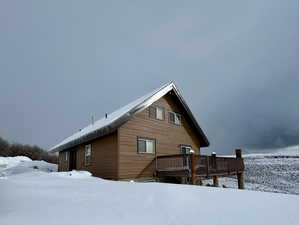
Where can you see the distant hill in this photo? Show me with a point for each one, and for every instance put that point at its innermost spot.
(270, 170)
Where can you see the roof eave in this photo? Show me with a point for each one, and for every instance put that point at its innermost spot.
(127, 116)
(204, 138)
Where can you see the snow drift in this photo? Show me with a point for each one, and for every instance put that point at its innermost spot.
(42, 197)
(21, 164)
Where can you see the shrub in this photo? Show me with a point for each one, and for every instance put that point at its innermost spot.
(33, 152)
(4, 147)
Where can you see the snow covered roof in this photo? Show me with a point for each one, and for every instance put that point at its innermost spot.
(114, 120)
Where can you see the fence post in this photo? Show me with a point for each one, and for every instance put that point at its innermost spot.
(240, 175)
(215, 178)
(193, 167)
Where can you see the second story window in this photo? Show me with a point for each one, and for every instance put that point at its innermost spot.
(175, 118)
(156, 112)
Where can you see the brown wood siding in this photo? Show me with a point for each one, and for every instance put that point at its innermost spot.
(103, 157)
(168, 137)
(63, 165)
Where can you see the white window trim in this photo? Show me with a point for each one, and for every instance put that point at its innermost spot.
(186, 147)
(156, 112)
(176, 115)
(162, 109)
(146, 140)
(67, 156)
(86, 162)
(188, 151)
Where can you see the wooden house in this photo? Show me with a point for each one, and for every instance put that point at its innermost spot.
(134, 141)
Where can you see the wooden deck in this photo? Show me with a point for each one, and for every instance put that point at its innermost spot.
(183, 165)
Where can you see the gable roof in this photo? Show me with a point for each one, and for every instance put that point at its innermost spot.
(114, 120)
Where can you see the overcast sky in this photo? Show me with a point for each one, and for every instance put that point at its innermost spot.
(236, 63)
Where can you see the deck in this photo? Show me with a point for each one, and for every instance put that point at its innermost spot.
(188, 165)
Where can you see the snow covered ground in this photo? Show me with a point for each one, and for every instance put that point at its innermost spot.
(21, 164)
(275, 171)
(41, 197)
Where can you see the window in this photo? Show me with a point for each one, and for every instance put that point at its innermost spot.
(175, 118)
(159, 113)
(185, 149)
(146, 145)
(87, 155)
(66, 156)
(156, 112)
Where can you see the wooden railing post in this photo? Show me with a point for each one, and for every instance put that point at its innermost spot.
(156, 164)
(193, 167)
(214, 164)
(207, 166)
(215, 181)
(238, 153)
(215, 178)
(240, 174)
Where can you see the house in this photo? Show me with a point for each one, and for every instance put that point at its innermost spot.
(155, 131)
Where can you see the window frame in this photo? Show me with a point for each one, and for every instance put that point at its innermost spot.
(175, 114)
(149, 139)
(185, 146)
(155, 107)
(163, 112)
(86, 162)
(67, 156)
(185, 158)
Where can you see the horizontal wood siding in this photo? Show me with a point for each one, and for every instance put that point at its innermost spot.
(63, 165)
(103, 157)
(168, 137)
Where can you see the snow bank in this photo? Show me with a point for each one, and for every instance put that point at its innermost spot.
(51, 199)
(33, 196)
(21, 164)
(73, 174)
(8, 162)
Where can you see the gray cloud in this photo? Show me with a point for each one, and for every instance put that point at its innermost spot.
(236, 64)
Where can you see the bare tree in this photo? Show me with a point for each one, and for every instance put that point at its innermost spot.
(4, 147)
(33, 152)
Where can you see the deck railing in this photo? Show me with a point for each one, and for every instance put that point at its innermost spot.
(204, 165)
(210, 165)
(173, 162)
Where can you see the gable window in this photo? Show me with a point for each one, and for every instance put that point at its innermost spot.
(174, 118)
(87, 155)
(156, 112)
(146, 145)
